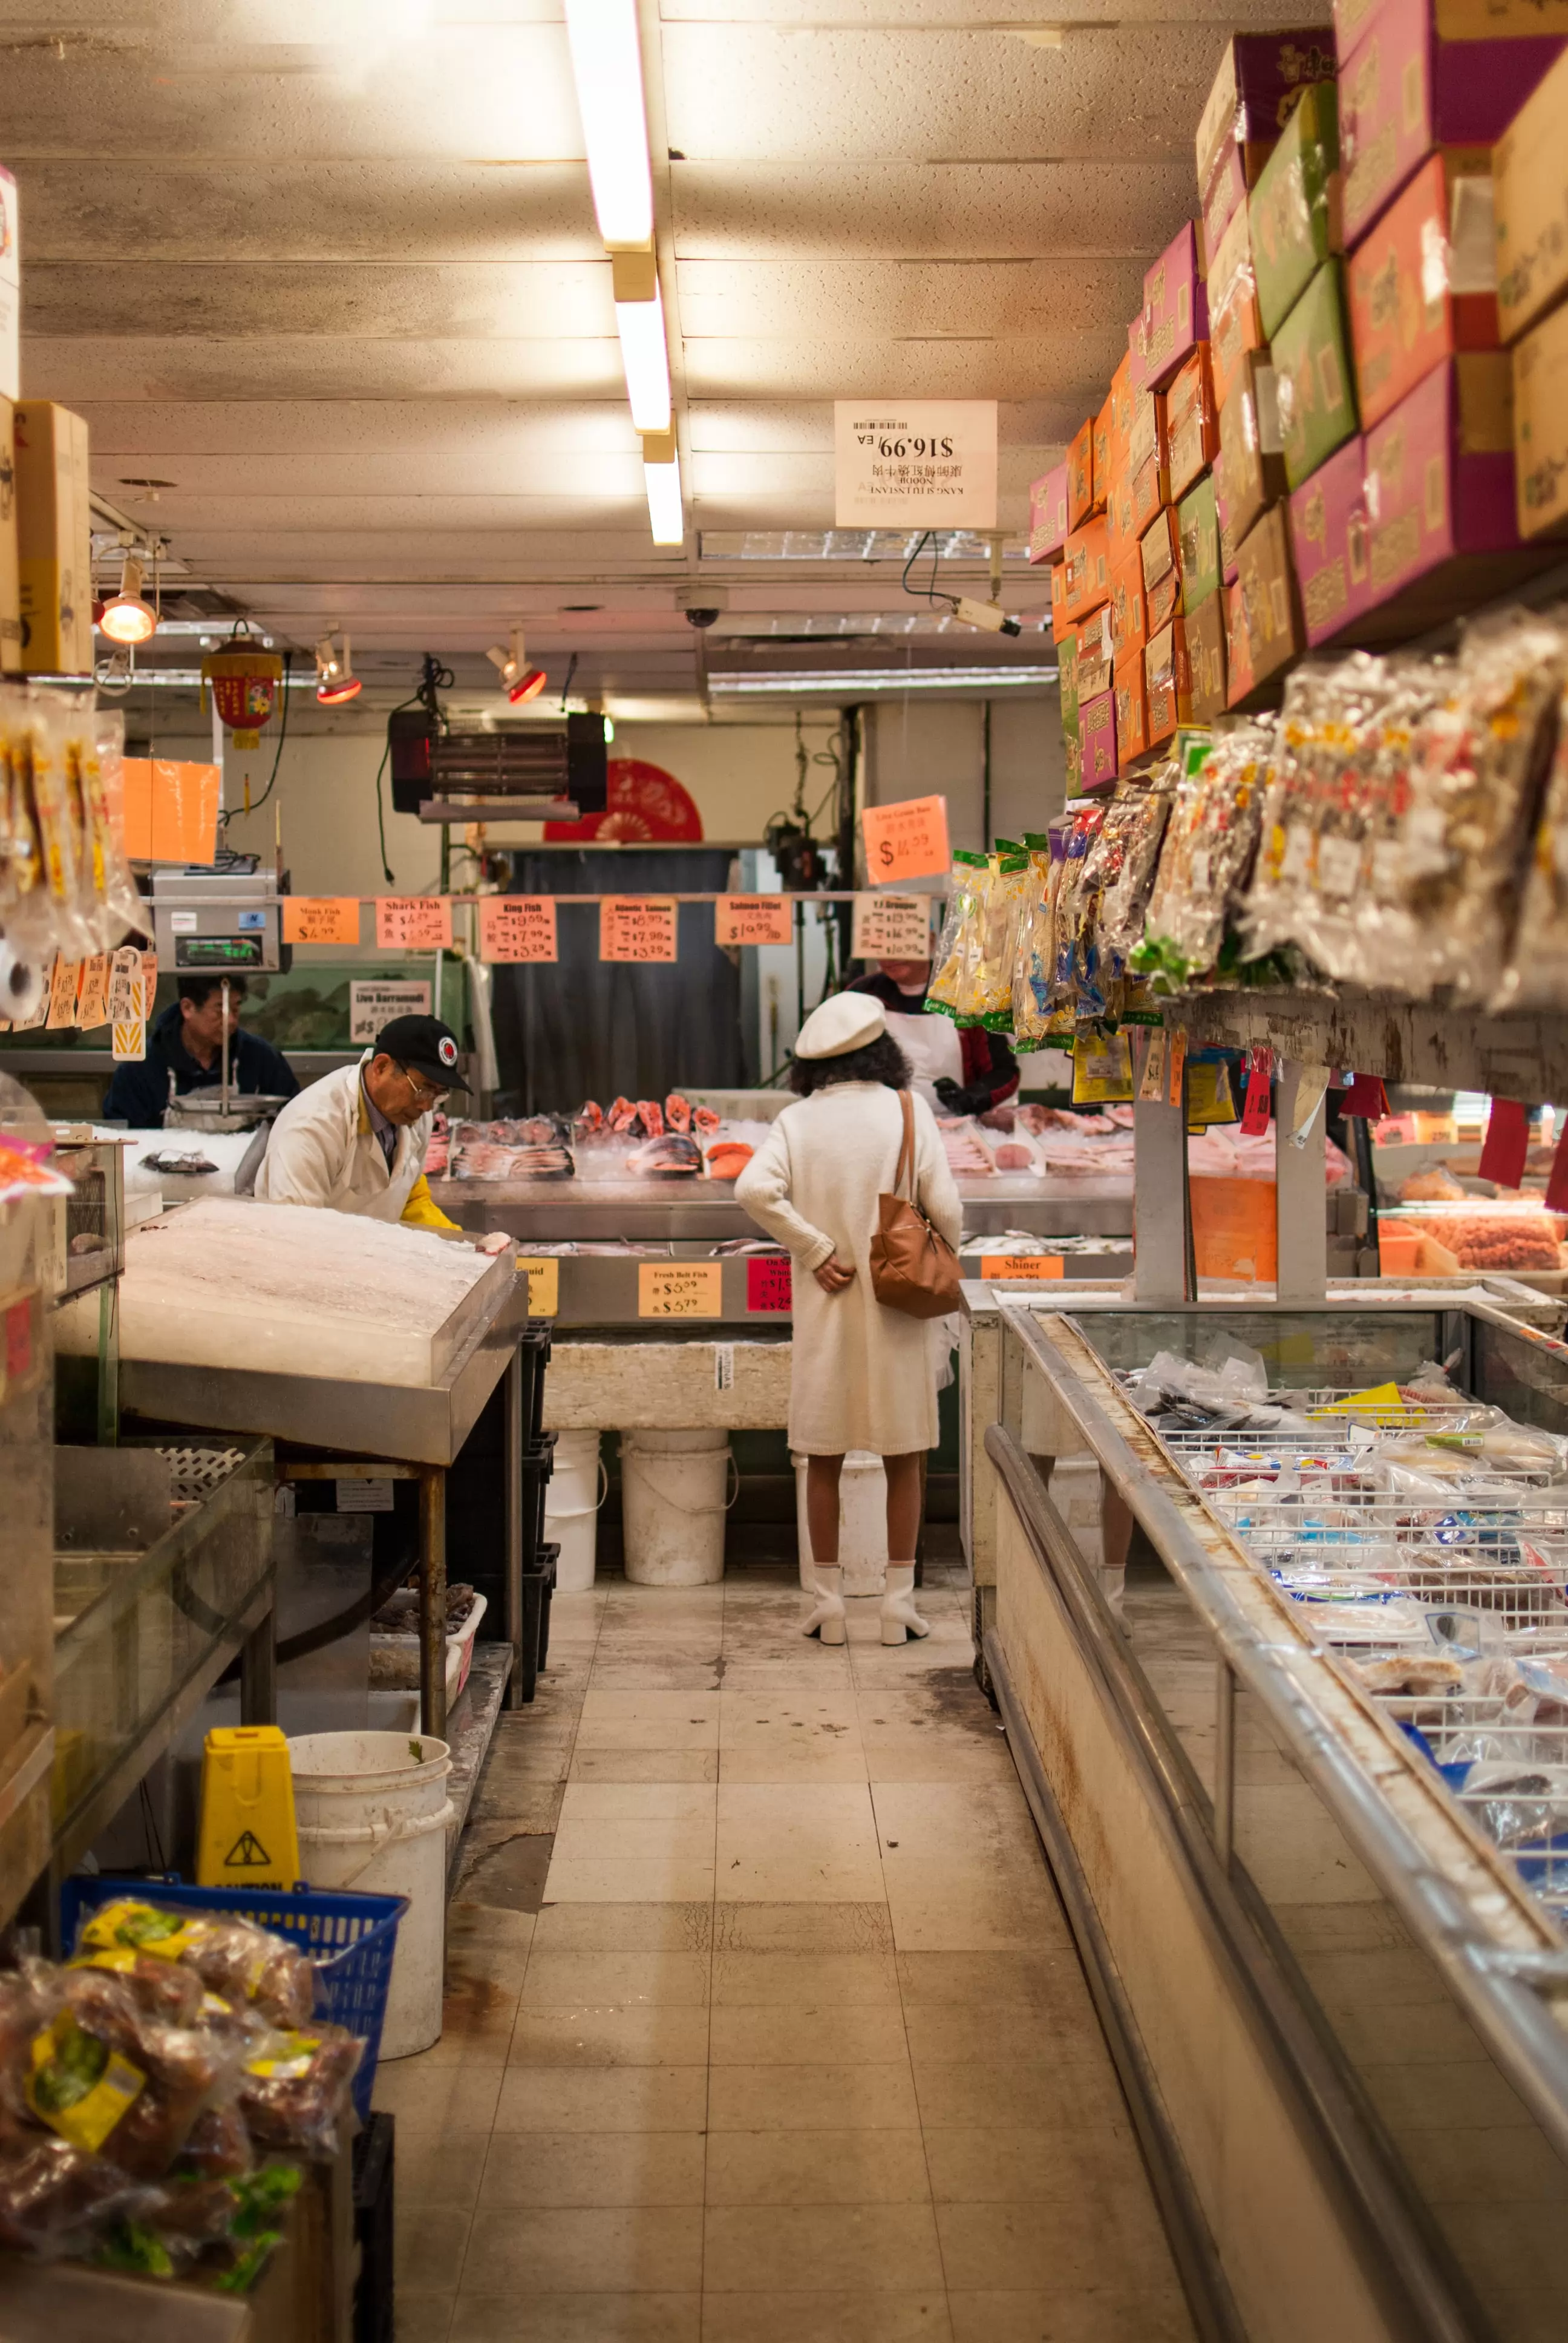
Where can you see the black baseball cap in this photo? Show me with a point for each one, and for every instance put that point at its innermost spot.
(425, 1047)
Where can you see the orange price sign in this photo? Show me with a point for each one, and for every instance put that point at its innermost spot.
(637, 927)
(321, 920)
(413, 923)
(692, 1289)
(753, 919)
(517, 928)
(908, 840)
(1030, 1268)
(891, 927)
(92, 996)
(64, 978)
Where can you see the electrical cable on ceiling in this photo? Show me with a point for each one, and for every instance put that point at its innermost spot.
(571, 670)
(282, 737)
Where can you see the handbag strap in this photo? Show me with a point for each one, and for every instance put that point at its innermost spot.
(907, 1152)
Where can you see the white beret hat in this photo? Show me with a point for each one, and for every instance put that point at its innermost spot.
(846, 1021)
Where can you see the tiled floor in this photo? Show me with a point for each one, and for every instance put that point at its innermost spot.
(763, 2020)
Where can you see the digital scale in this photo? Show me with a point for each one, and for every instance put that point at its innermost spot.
(226, 921)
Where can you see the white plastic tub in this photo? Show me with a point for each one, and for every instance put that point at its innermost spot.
(862, 1522)
(373, 1813)
(674, 1494)
(573, 1496)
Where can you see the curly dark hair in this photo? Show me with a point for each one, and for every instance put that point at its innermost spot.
(880, 1060)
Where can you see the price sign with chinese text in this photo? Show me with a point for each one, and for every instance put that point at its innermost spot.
(515, 927)
(768, 1284)
(908, 840)
(753, 919)
(919, 463)
(1033, 1267)
(321, 920)
(891, 927)
(413, 923)
(680, 1289)
(637, 927)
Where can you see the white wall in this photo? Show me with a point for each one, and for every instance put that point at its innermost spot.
(919, 748)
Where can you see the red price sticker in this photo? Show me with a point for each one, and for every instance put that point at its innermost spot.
(321, 920)
(637, 927)
(753, 919)
(515, 927)
(1255, 1112)
(768, 1284)
(906, 841)
(413, 923)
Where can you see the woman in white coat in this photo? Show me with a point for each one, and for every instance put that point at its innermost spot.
(862, 1376)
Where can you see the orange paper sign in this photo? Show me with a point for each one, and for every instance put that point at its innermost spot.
(1034, 1267)
(63, 983)
(753, 919)
(169, 810)
(92, 993)
(517, 928)
(906, 841)
(413, 923)
(688, 1289)
(321, 918)
(637, 927)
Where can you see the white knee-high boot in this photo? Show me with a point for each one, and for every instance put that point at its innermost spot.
(900, 1617)
(828, 1619)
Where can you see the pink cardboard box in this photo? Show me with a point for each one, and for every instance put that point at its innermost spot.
(1048, 516)
(1097, 736)
(1175, 314)
(1440, 481)
(1329, 543)
(1402, 92)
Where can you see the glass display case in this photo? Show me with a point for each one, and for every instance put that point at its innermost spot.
(1511, 1236)
(87, 1246)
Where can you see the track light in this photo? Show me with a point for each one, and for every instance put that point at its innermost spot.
(661, 480)
(336, 680)
(607, 66)
(522, 681)
(127, 619)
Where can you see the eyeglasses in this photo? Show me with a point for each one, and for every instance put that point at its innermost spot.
(424, 1093)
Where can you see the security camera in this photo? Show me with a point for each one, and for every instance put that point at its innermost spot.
(985, 615)
(701, 618)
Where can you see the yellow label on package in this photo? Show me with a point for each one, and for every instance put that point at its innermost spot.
(1034, 1267)
(1382, 1403)
(680, 1289)
(289, 2061)
(1101, 1069)
(145, 1927)
(78, 2085)
(543, 1271)
(1209, 1095)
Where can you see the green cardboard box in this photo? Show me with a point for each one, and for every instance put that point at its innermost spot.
(1066, 663)
(1313, 376)
(1199, 520)
(1294, 212)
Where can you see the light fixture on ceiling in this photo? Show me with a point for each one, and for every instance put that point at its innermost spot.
(661, 478)
(522, 681)
(128, 617)
(336, 681)
(607, 66)
(860, 683)
(644, 354)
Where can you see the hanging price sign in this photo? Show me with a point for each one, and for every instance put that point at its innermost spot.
(908, 840)
(637, 927)
(149, 983)
(1255, 1112)
(891, 927)
(543, 1271)
(1151, 1081)
(1030, 1268)
(92, 993)
(923, 463)
(514, 927)
(676, 1289)
(413, 923)
(63, 983)
(1177, 1064)
(753, 919)
(321, 920)
(769, 1283)
(127, 993)
(129, 1040)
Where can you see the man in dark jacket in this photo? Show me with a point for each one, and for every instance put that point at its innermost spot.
(185, 1053)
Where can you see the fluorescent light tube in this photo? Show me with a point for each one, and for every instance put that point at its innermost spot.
(645, 358)
(664, 509)
(607, 66)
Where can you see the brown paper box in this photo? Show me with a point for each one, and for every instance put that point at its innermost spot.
(1206, 656)
(10, 575)
(1541, 427)
(1251, 468)
(1530, 184)
(54, 533)
(1267, 582)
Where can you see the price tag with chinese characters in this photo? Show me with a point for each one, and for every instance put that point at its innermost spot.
(680, 1289)
(1176, 1053)
(413, 923)
(1151, 1081)
(149, 985)
(321, 918)
(543, 1271)
(127, 999)
(1033, 1267)
(63, 983)
(1255, 1112)
(923, 463)
(517, 928)
(906, 841)
(769, 1283)
(891, 927)
(92, 997)
(753, 919)
(637, 927)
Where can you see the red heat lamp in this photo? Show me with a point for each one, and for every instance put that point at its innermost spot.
(336, 681)
(522, 681)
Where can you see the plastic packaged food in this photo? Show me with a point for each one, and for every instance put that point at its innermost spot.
(1007, 896)
(53, 2197)
(1210, 841)
(1085, 829)
(233, 1959)
(1127, 891)
(1495, 1237)
(292, 2087)
(109, 2078)
(1033, 954)
(952, 988)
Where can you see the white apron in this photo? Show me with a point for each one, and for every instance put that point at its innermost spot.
(931, 1044)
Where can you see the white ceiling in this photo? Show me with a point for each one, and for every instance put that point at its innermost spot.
(329, 269)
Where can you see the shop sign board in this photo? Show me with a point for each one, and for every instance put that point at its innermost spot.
(914, 463)
(1031, 1268)
(372, 1005)
(891, 927)
(753, 919)
(908, 841)
(321, 918)
(638, 927)
(517, 928)
(680, 1289)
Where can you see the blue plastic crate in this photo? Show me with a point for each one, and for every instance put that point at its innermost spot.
(350, 1940)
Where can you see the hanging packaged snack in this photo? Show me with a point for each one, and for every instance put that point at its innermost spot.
(952, 988)
(1006, 896)
(1085, 829)
(21, 902)
(1206, 859)
(57, 902)
(1032, 955)
(1126, 897)
(96, 752)
(1536, 976)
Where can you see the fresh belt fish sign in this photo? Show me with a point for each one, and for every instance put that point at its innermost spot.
(923, 463)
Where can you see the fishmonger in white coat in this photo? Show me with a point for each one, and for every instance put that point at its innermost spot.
(861, 1375)
(356, 1140)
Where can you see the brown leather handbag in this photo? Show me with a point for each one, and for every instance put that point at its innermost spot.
(913, 1267)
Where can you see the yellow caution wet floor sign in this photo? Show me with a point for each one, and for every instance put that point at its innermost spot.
(248, 1837)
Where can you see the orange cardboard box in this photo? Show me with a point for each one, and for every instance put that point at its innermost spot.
(1085, 572)
(1422, 283)
(1131, 711)
(1104, 454)
(1129, 605)
(1061, 624)
(1081, 502)
(1168, 678)
(1191, 422)
(1235, 1233)
(1121, 527)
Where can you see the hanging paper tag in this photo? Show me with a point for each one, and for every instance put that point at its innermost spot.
(321, 918)
(1506, 1144)
(638, 927)
(906, 841)
(1255, 1113)
(413, 923)
(769, 1283)
(1175, 1065)
(1151, 1084)
(1311, 1081)
(891, 927)
(753, 919)
(517, 928)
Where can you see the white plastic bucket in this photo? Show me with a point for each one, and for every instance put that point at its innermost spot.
(674, 1498)
(573, 1496)
(373, 1811)
(862, 1522)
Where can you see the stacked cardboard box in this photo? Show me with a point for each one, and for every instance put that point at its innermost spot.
(1532, 193)
(54, 540)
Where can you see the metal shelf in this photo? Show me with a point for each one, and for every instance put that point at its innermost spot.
(1464, 1048)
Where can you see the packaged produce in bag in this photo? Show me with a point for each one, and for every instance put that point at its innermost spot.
(97, 752)
(1085, 829)
(1206, 857)
(1536, 976)
(1006, 896)
(293, 2087)
(1126, 896)
(21, 860)
(65, 898)
(1033, 953)
(107, 2077)
(241, 1964)
(952, 988)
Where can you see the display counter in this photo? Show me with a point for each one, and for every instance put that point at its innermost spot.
(1331, 1973)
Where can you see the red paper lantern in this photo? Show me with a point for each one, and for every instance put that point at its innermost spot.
(244, 684)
